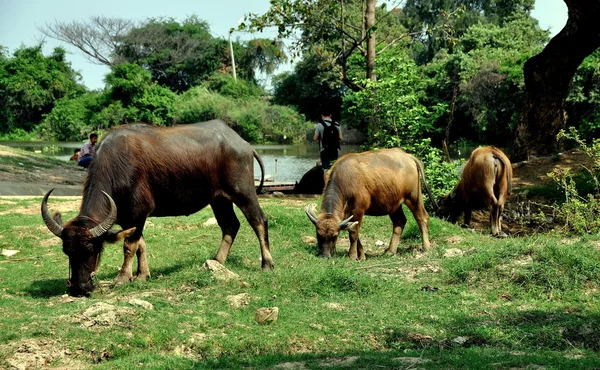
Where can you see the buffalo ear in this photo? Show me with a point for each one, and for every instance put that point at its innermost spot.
(115, 236)
(57, 218)
(350, 226)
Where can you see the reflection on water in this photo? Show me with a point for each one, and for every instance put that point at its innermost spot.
(283, 163)
(62, 150)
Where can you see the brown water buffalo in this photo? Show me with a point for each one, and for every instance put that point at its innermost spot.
(141, 170)
(374, 183)
(486, 181)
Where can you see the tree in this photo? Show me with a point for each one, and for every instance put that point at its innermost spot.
(30, 84)
(177, 55)
(430, 14)
(547, 78)
(309, 86)
(337, 29)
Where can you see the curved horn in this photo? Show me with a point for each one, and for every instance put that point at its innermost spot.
(345, 222)
(52, 225)
(310, 212)
(108, 221)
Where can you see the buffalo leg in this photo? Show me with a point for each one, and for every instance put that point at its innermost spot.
(143, 271)
(398, 222)
(129, 251)
(467, 218)
(360, 250)
(420, 214)
(229, 224)
(354, 234)
(258, 220)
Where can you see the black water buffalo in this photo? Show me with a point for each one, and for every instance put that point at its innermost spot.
(374, 183)
(312, 182)
(486, 181)
(141, 170)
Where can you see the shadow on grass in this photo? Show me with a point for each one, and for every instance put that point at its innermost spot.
(47, 288)
(528, 330)
(460, 358)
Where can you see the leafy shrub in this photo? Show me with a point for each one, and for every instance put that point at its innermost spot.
(579, 211)
(254, 119)
(69, 119)
(226, 85)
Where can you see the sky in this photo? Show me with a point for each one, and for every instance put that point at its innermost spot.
(20, 19)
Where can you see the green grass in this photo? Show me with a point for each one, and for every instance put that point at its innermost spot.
(504, 303)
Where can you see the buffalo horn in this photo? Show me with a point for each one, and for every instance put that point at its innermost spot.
(108, 221)
(310, 212)
(345, 222)
(52, 225)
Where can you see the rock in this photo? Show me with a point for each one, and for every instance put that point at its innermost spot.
(379, 243)
(460, 340)
(237, 301)
(309, 240)
(210, 222)
(220, 272)
(266, 315)
(9, 252)
(412, 360)
(277, 194)
(453, 252)
(139, 302)
(333, 306)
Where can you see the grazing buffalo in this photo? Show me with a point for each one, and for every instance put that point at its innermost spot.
(373, 183)
(486, 181)
(140, 171)
(312, 182)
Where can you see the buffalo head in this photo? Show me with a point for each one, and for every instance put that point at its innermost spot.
(449, 207)
(83, 239)
(328, 229)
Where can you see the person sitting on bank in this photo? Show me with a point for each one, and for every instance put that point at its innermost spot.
(329, 134)
(75, 156)
(88, 151)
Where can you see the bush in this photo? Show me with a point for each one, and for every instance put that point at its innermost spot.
(254, 119)
(580, 210)
(69, 119)
(226, 85)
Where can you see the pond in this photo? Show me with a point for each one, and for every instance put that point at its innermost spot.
(283, 163)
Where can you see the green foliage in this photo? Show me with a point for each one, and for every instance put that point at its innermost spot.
(144, 100)
(254, 119)
(69, 119)
(583, 102)
(392, 106)
(182, 55)
(226, 85)
(30, 84)
(487, 69)
(580, 210)
(312, 85)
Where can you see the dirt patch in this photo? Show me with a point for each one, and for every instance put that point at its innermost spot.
(39, 353)
(20, 166)
(535, 170)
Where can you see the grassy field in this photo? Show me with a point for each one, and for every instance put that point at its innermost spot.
(472, 302)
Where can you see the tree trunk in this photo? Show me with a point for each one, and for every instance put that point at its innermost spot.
(369, 23)
(547, 78)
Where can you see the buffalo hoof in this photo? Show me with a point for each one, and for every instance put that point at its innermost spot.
(122, 279)
(501, 234)
(268, 266)
(142, 277)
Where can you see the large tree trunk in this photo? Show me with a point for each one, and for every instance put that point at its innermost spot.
(369, 23)
(547, 78)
